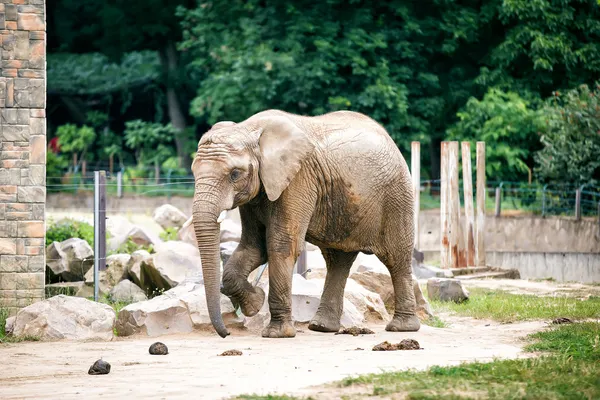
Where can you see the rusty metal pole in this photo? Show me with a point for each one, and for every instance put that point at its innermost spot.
(415, 158)
(457, 259)
(481, 194)
(468, 196)
(444, 215)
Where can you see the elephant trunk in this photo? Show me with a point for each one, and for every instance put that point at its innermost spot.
(207, 231)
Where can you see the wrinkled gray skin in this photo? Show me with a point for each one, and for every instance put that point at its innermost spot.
(336, 180)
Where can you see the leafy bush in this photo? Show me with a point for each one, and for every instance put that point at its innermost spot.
(169, 234)
(68, 228)
(572, 138)
(130, 246)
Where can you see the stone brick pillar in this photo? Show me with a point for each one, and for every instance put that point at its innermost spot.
(22, 152)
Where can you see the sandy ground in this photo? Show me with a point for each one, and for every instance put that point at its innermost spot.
(193, 369)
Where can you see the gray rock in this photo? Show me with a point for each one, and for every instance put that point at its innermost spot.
(231, 231)
(169, 216)
(138, 235)
(127, 292)
(115, 272)
(135, 265)
(10, 325)
(173, 263)
(445, 289)
(186, 233)
(66, 317)
(69, 260)
(179, 310)
(422, 271)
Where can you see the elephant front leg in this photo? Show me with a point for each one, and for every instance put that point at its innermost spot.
(280, 298)
(242, 262)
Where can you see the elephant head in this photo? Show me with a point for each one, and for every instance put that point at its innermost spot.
(234, 162)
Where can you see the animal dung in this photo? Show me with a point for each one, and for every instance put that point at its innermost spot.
(100, 367)
(158, 349)
(405, 344)
(561, 320)
(355, 331)
(231, 353)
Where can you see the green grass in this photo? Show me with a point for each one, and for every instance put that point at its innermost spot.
(568, 368)
(506, 307)
(11, 339)
(436, 322)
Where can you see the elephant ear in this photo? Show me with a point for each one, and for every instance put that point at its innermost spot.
(282, 148)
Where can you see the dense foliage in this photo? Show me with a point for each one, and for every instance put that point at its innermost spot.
(67, 229)
(428, 70)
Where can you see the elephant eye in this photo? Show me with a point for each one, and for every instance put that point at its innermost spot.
(235, 174)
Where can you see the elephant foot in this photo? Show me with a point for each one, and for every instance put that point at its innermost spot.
(404, 323)
(253, 302)
(321, 323)
(279, 329)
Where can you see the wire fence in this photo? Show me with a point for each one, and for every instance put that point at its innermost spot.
(515, 197)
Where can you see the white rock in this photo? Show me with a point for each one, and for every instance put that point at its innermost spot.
(115, 272)
(134, 267)
(445, 289)
(230, 231)
(227, 249)
(65, 317)
(10, 325)
(138, 235)
(186, 233)
(127, 291)
(179, 310)
(314, 259)
(368, 262)
(69, 260)
(118, 225)
(169, 216)
(422, 271)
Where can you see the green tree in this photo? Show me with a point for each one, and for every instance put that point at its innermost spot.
(571, 138)
(510, 125)
(75, 140)
(152, 142)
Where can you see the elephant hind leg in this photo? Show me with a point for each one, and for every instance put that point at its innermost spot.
(327, 318)
(405, 318)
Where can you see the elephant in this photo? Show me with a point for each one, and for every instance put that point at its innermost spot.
(335, 180)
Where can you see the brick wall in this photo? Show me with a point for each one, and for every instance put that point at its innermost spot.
(22, 151)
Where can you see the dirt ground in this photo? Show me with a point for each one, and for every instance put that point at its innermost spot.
(193, 367)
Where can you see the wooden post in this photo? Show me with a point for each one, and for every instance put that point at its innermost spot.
(481, 195)
(578, 205)
(457, 248)
(111, 162)
(498, 210)
(468, 196)
(415, 158)
(99, 227)
(444, 215)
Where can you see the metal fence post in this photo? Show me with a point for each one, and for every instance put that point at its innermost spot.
(415, 158)
(120, 184)
(99, 227)
(578, 204)
(498, 210)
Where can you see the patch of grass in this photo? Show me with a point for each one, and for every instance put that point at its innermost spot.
(570, 369)
(3, 318)
(11, 339)
(506, 307)
(436, 322)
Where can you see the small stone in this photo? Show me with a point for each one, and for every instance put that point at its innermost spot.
(231, 353)
(355, 331)
(100, 367)
(561, 320)
(158, 349)
(405, 344)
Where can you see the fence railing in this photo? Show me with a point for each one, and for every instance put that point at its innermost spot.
(515, 197)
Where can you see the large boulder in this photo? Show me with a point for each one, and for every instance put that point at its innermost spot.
(186, 233)
(69, 260)
(306, 297)
(65, 317)
(368, 262)
(115, 272)
(118, 225)
(173, 262)
(381, 283)
(136, 264)
(368, 303)
(168, 216)
(127, 292)
(179, 310)
(445, 289)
